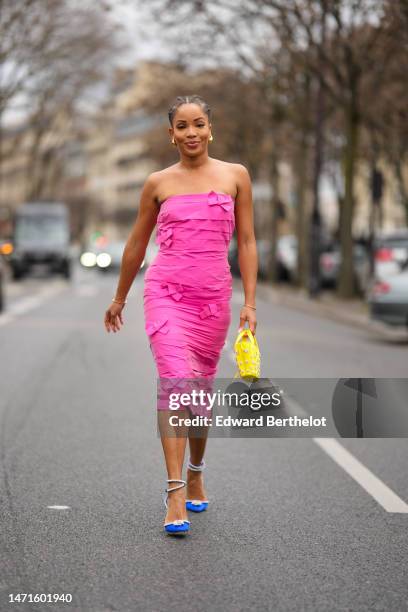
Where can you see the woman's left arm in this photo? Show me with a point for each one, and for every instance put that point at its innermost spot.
(247, 252)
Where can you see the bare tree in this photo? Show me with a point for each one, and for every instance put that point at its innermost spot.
(53, 54)
(344, 62)
(386, 121)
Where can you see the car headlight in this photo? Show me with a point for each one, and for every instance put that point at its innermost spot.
(103, 260)
(88, 259)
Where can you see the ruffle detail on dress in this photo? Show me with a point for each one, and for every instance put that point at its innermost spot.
(209, 310)
(173, 289)
(155, 326)
(219, 199)
(165, 236)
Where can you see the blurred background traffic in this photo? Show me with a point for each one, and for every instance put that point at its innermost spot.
(312, 97)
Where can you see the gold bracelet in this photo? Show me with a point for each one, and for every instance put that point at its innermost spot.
(253, 307)
(118, 302)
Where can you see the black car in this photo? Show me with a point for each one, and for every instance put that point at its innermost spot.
(41, 235)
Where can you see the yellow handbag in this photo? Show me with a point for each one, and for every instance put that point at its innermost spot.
(247, 355)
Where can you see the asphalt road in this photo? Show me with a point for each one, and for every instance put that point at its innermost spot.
(293, 524)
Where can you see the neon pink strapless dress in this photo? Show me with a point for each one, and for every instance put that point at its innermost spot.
(188, 286)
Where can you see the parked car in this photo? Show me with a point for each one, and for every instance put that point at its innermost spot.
(41, 235)
(390, 253)
(287, 253)
(330, 261)
(263, 248)
(286, 257)
(388, 299)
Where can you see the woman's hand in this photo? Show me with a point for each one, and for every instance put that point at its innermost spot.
(247, 314)
(113, 317)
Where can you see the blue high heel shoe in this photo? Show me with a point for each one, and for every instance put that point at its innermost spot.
(196, 505)
(178, 527)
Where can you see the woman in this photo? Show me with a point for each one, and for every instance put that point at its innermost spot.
(187, 289)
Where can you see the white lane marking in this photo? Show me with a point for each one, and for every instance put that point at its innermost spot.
(365, 478)
(375, 487)
(59, 507)
(26, 305)
(30, 303)
(354, 468)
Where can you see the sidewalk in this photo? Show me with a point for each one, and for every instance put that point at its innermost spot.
(353, 312)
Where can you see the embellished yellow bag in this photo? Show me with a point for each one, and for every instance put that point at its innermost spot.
(247, 355)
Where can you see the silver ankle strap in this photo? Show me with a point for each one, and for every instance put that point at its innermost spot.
(196, 468)
(167, 491)
(180, 486)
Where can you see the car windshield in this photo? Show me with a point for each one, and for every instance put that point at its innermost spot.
(42, 228)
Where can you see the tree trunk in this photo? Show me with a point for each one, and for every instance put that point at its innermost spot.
(274, 181)
(346, 285)
(301, 216)
(301, 173)
(403, 191)
(34, 170)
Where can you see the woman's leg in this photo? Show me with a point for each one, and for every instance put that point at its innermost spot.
(174, 441)
(197, 438)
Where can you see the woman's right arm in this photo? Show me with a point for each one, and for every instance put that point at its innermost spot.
(135, 248)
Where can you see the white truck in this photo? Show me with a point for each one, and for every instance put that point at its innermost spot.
(41, 235)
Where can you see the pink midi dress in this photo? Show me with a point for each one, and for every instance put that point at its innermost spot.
(188, 286)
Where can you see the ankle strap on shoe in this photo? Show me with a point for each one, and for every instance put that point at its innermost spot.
(180, 486)
(196, 468)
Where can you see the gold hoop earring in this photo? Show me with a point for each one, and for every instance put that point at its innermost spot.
(211, 138)
(173, 142)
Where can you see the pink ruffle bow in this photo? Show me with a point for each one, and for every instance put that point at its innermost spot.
(220, 199)
(153, 327)
(165, 237)
(174, 290)
(209, 310)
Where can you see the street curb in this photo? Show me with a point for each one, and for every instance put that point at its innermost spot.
(330, 308)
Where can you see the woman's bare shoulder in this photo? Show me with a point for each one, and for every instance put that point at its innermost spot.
(154, 180)
(158, 175)
(240, 175)
(227, 164)
(239, 171)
